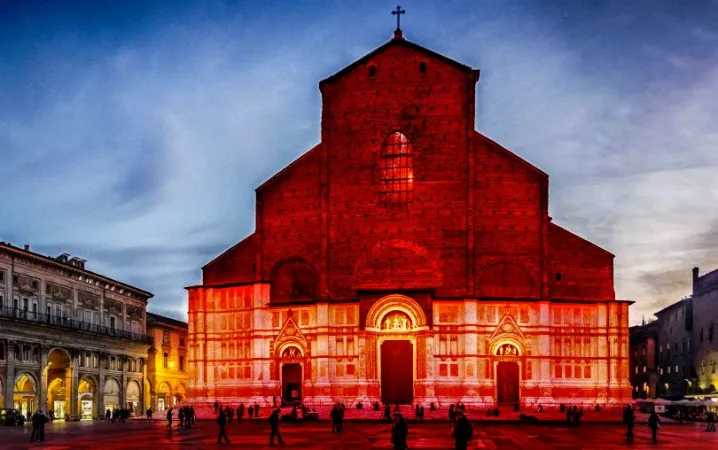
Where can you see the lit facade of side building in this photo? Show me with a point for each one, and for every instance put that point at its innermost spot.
(705, 331)
(71, 341)
(167, 370)
(407, 258)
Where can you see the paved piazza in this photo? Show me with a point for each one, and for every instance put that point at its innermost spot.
(138, 434)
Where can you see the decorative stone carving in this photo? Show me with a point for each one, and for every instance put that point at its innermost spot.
(291, 352)
(396, 321)
(134, 312)
(507, 350)
(88, 300)
(27, 285)
(112, 306)
(59, 293)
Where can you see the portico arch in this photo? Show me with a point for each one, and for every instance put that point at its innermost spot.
(86, 397)
(395, 303)
(25, 393)
(164, 394)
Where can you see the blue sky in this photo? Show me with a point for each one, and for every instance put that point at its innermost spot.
(134, 133)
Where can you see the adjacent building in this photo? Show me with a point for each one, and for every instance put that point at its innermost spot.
(644, 359)
(407, 258)
(676, 370)
(72, 341)
(705, 329)
(167, 370)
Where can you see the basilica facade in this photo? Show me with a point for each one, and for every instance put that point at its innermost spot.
(407, 258)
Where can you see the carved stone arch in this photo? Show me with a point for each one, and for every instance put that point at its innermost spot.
(293, 280)
(394, 303)
(506, 280)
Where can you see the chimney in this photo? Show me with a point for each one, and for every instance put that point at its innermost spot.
(695, 280)
(27, 247)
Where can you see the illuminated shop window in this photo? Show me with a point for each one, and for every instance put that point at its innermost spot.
(397, 173)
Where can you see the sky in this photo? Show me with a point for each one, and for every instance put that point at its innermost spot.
(133, 133)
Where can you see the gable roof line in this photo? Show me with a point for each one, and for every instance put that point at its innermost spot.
(286, 168)
(246, 239)
(552, 223)
(512, 154)
(397, 41)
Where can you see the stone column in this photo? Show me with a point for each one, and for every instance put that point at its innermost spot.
(123, 382)
(42, 389)
(71, 396)
(9, 380)
(99, 396)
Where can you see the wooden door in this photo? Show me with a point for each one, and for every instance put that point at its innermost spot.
(397, 372)
(507, 381)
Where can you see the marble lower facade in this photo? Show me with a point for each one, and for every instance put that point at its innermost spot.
(470, 351)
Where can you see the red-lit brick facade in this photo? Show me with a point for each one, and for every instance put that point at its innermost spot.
(406, 231)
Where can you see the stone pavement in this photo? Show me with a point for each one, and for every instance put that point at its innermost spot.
(138, 435)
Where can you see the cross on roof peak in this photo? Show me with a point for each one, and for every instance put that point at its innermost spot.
(398, 12)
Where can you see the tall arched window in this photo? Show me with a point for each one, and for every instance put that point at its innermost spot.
(397, 173)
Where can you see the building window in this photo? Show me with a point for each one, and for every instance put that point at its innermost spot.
(181, 342)
(713, 367)
(112, 323)
(165, 337)
(372, 70)
(422, 66)
(397, 173)
(2, 277)
(181, 363)
(558, 276)
(2, 351)
(165, 360)
(676, 370)
(661, 370)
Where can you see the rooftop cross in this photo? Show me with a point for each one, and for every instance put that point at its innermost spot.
(398, 12)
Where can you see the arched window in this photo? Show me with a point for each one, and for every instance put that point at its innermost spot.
(294, 280)
(397, 173)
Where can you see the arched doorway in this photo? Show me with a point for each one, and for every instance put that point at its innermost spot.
(133, 397)
(291, 377)
(397, 360)
(111, 394)
(507, 373)
(395, 320)
(25, 393)
(86, 390)
(58, 383)
(179, 394)
(163, 396)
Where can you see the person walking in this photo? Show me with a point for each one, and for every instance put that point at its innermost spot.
(629, 418)
(250, 411)
(169, 419)
(387, 413)
(335, 419)
(35, 426)
(222, 422)
(181, 416)
(451, 415)
(399, 432)
(274, 425)
(149, 414)
(108, 414)
(711, 421)
(256, 410)
(654, 423)
(240, 412)
(462, 432)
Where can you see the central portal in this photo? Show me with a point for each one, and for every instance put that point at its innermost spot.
(397, 372)
(507, 382)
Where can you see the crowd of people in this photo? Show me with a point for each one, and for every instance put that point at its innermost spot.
(116, 415)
